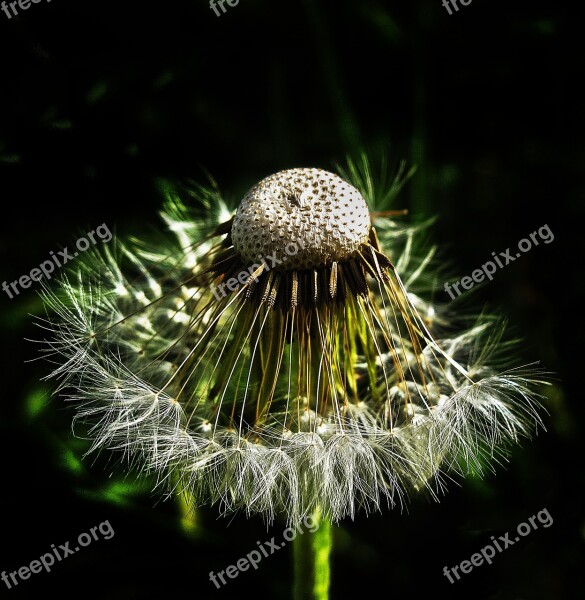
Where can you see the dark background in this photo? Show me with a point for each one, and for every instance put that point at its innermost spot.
(99, 100)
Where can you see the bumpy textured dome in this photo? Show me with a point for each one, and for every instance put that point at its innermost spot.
(302, 217)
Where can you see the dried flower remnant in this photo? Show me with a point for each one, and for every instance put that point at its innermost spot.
(319, 383)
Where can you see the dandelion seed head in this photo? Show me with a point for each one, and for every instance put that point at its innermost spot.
(323, 383)
(303, 217)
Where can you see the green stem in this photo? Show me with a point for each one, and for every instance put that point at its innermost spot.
(188, 512)
(311, 554)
